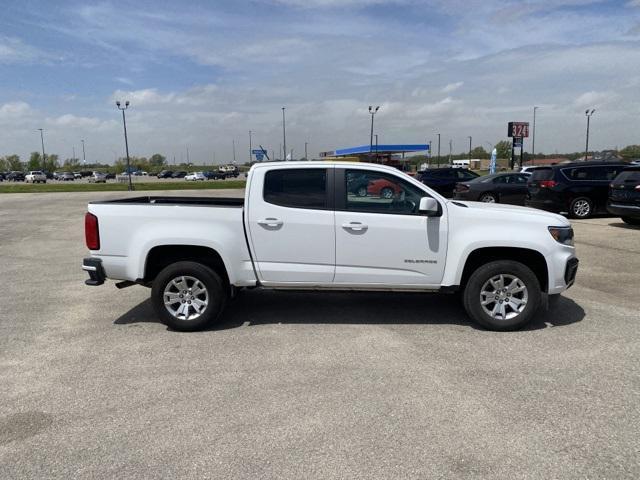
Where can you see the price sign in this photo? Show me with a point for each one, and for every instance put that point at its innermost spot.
(518, 129)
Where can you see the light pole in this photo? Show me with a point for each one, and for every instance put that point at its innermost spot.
(126, 141)
(305, 151)
(469, 150)
(533, 139)
(284, 136)
(84, 158)
(372, 112)
(429, 156)
(250, 147)
(438, 150)
(44, 158)
(233, 143)
(376, 147)
(588, 113)
(450, 150)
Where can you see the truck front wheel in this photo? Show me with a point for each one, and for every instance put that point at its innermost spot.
(188, 296)
(502, 295)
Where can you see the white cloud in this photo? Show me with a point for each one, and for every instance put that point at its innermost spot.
(14, 109)
(452, 87)
(595, 99)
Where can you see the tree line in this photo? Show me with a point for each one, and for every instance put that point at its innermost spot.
(52, 163)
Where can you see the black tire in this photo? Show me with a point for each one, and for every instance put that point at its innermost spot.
(488, 198)
(581, 207)
(472, 298)
(631, 220)
(216, 292)
(386, 192)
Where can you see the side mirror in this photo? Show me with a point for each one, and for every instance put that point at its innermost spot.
(428, 206)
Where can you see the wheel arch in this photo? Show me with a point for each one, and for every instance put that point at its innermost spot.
(531, 258)
(162, 256)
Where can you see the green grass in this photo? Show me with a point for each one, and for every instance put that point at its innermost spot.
(7, 187)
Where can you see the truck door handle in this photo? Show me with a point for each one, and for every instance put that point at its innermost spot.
(271, 222)
(355, 226)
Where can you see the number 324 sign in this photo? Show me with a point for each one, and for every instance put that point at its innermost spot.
(518, 129)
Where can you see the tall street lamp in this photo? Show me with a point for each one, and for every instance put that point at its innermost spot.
(250, 147)
(438, 150)
(84, 157)
(126, 141)
(533, 139)
(469, 150)
(284, 136)
(305, 150)
(44, 158)
(372, 112)
(588, 113)
(376, 135)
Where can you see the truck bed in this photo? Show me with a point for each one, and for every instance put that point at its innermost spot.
(175, 200)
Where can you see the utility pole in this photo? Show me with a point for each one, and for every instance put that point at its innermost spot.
(305, 150)
(44, 158)
(372, 112)
(284, 136)
(438, 150)
(126, 141)
(469, 151)
(450, 150)
(84, 158)
(250, 146)
(586, 148)
(533, 139)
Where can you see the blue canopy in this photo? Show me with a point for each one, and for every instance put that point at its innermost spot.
(364, 149)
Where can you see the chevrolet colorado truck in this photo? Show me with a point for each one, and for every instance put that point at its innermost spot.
(330, 226)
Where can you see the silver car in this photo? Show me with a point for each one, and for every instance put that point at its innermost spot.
(97, 177)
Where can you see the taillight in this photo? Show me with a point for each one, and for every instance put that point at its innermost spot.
(637, 187)
(548, 183)
(91, 231)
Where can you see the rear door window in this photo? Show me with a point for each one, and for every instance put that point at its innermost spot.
(297, 188)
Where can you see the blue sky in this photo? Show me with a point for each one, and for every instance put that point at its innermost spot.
(202, 74)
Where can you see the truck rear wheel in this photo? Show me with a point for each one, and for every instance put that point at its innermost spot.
(502, 295)
(188, 296)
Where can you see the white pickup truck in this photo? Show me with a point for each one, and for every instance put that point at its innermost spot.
(330, 226)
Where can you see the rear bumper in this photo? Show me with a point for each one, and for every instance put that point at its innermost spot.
(93, 266)
(547, 205)
(623, 210)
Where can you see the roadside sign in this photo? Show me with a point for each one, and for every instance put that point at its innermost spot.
(517, 142)
(259, 157)
(518, 129)
(258, 152)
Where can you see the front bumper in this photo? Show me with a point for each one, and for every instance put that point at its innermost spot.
(93, 266)
(571, 271)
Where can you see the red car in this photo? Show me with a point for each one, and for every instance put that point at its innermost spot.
(383, 188)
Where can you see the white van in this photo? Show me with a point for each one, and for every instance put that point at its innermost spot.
(460, 164)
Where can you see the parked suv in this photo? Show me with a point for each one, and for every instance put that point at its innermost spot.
(443, 180)
(624, 196)
(579, 189)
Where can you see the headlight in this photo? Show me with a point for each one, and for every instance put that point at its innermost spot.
(562, 235)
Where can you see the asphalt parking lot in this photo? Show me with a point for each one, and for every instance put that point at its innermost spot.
(303, 385)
